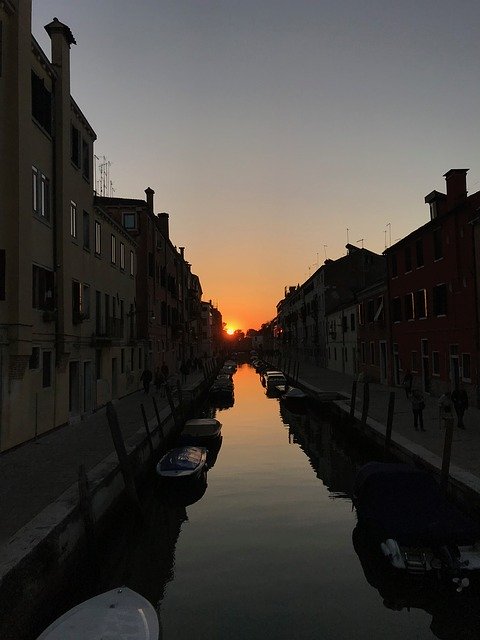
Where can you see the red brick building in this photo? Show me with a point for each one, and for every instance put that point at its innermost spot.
(432, 297)
(373, 320)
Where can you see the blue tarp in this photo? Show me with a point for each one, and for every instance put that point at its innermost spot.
(406, 504)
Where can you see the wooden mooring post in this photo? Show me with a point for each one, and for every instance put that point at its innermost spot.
(388, 432)
(159, 424)
(447, 454)
(147, 429)
(125, 466)
(353, 400)
(366, 402)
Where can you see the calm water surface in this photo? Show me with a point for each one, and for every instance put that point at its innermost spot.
(267, 551)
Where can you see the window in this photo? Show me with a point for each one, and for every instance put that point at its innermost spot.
(435, 363)
(437, 244)
(393, 265)
(1, 48)
(40, 194)
(370, 310)
(372, 352)
(98, 364)
(46, 369)
(408, 259)
(419, 253)
(414, 365)
(2, 274)
(75, 145)
(440, 300)
(42, 288)
(86, 230)
(113, 249)
(409, 306)
(466, 375)
(73, 219)
(352, 322)
(76, 302)
(85, 161)
(35, 190)
(85, 301)
(344, 324)
(129, 221)
(122, 360)
(122, 256)
(420, 304)
(360, 313)
(34, 361)
(41, 103)
(379, 313)
(98, 238)
(396, 310)
(131, 264)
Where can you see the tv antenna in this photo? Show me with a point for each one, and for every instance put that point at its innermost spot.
(361, 240)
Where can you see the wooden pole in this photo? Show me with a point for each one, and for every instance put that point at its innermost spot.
(366, 402)
(388, 433)
(147, 429)
(447, 454)
(353, 399)
(173, 409)
(122, 456)
(159, 424)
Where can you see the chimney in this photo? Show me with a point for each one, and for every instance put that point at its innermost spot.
(61, 38)
(163, 220)
(149, 193)
(182, 252)
(456, 180)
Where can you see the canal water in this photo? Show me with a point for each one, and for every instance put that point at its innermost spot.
(270, 548)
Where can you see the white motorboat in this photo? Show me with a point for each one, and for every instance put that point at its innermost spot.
(182, 462)
(120, 614)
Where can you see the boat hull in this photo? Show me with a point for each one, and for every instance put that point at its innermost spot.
(119, 613)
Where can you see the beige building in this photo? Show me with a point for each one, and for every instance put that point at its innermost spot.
(67, 286)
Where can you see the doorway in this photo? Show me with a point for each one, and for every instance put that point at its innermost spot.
(73, 388)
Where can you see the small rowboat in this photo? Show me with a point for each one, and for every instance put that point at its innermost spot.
(182, 462)
(202, 428)
(120, 613)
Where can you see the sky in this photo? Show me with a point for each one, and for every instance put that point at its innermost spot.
(274, 130)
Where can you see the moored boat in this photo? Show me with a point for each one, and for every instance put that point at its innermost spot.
(120, 613)
(183, 463)
(413, 524)
(202, 427)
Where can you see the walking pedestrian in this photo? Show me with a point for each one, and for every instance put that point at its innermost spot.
(446, 410)
(460, 403)
(159, 381)
(146, 379)
(407, 382)
(418, 405)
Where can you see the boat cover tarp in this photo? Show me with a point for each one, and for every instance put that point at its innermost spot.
(406, 504)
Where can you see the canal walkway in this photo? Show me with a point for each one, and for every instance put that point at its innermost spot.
(35, 474)
(428, 444)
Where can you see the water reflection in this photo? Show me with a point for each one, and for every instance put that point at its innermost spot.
(454, 615)
(322, 444)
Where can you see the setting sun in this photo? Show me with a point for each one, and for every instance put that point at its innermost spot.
(230, 331)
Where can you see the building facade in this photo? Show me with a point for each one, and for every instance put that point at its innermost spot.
(432, 294)
(50, 272)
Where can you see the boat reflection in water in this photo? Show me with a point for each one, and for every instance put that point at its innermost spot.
(455, 616)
